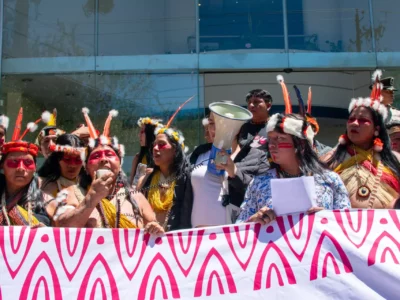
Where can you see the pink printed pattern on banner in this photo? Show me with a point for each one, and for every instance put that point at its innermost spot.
(329, 253)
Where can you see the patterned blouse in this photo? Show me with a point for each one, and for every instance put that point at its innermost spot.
(330, 190)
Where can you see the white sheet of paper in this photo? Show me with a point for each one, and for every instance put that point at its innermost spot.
(293, 195)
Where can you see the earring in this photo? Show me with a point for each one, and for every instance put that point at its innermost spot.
(376, 133)
(378, 145)
(343, 139)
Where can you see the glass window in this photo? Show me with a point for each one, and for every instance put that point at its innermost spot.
(240, 25)
(134, 95)
(386, 20)
(132, 27)
(329, 25)
(48, 28)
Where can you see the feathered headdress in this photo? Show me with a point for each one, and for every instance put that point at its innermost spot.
(288, 124)
(149, 121)
(69, 150)
(307, 114)
(17, 144)
(105, 138)
(50, 128)
(173, 134)
(375, 99)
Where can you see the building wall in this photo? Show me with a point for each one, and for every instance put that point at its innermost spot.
(147, 57)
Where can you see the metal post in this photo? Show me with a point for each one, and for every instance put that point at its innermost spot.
(285, 26)
(1, 37)
(96, 28)
(371, 17)
(197, 27)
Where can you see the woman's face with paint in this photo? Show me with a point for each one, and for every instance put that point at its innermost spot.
(19, 168)
(163, 151)
(103, 157)
(281, 147)
(70, 166)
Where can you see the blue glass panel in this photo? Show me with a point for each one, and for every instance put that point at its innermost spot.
(240, 25)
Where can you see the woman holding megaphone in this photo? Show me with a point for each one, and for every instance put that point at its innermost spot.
(216, 199)
(290, 139)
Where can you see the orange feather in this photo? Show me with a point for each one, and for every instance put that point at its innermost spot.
(176, 112)
(17, 128)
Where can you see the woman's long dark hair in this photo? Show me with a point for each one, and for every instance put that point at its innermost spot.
(86, 180)
(31, 192)
(386, 154)
(147, 150)
(307, 157)
(51, 169)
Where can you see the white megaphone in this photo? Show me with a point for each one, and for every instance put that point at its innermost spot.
(228, 119)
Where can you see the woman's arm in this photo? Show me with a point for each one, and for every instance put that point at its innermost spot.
(78, 217)
(249, 206)
(341, 198)
(135, 163)
(187, 204)
(150, 223)
(255, 164)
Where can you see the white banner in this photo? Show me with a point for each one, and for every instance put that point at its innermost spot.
(330, 255)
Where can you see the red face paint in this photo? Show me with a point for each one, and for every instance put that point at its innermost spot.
(97, 156)
(162, 146)
(27, 164)
(361, 121)
(285, 146)
(72, 160)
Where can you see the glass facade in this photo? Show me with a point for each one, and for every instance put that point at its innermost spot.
(145, 58)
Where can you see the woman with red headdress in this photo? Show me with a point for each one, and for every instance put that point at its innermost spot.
(363, 158)
(21, 199)
(109, 201)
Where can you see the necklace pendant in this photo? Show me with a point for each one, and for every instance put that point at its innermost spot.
(164, 185)
(363, 191)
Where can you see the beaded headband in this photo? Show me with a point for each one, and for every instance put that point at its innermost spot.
(66, 149)
(375, 99)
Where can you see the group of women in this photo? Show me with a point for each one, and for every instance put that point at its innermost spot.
(82, 184)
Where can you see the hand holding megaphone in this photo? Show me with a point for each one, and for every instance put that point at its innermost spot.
(226, 163)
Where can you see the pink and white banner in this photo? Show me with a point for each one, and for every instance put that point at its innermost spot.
(340, 255)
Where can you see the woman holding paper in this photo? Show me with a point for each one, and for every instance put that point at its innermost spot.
(290, 139)
(364, 159)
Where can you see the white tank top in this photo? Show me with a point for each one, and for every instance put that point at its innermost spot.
(207, 195)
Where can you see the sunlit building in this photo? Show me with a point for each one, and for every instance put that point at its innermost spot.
(145, 57)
